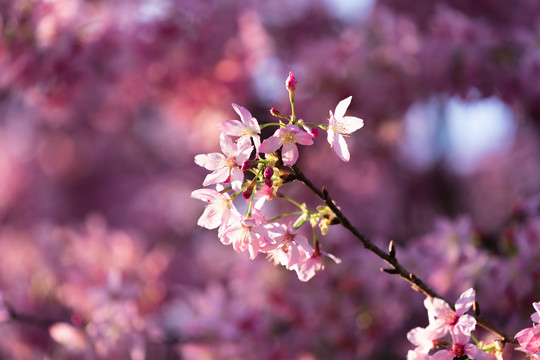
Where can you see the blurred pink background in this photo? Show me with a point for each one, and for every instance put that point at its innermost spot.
(104, 104)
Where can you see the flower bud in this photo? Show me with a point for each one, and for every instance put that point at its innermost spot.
(268, 182)
(314, 132)
(246, 165)
(268, 173)
(275, 112)
(290, 83)
(246, 194)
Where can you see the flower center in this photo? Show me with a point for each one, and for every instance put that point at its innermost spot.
(452, 319)
(340, 128)
(458, 350)
(287, 138)
(231, 162)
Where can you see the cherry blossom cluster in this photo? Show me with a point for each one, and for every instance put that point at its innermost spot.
(529, 338)
(448, 334)
(256, 170)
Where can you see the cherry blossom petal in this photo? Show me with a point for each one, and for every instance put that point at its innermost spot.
(243, 153)
(465, 301)
(210, 161)
(218, 176)
(437, 307)
(341, 148)
(303, 138)
(231, 127)
(474, 352)
(289, 154)
(443, 355)
(237, 178)
(536, 316)
(422, 338)
(331, 135)
(270, 145)
(349, 124)
(207, 195)
(465, 324)
(341, 108)
(245, 115)
(228, 146)
(211, 217)
(415, 355)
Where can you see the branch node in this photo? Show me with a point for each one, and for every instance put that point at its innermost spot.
(392, 249)
(389, 271)
(476, 308)
(324, 193)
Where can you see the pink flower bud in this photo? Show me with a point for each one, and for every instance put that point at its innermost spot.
(268, 182)
(290, 83)
(275, 112)
(246, 165)
(268, 172)
(314, 132)
(247, 193)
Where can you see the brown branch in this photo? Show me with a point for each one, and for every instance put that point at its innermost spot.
(389, 257)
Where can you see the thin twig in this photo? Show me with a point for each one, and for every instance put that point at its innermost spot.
(389, 257)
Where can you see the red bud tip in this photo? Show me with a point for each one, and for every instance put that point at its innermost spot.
(275, 112)
(314, 133)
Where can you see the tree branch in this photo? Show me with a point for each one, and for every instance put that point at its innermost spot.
(389, 257)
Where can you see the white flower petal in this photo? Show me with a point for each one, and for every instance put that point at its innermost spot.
(340, 147)
(341, 108)
(350, 124)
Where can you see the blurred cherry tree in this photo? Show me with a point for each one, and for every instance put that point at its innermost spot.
(104, 104)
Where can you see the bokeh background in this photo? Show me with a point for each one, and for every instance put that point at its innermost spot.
(104, 104)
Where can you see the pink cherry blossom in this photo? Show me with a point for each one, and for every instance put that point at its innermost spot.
(442, 319)
(340, 125)
(227, 166)
(219, 210)
(288, 137)
(246, 235)
(460, 347)
(307, 268)
(422, 338)
(245, 129)
(287, 247)
(529, 340)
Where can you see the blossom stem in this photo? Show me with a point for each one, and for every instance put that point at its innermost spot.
(291, 98)
(321, 126)
(290, 200)
(290, 213)
(397, 269)
(262, 126)
(316, 244)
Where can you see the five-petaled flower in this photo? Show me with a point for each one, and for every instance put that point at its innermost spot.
(226, 167)
(442, 319)
(529, 338)
(460, 348)
(340, 125)
(219, 209)
(288, 137)
(245, 129)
